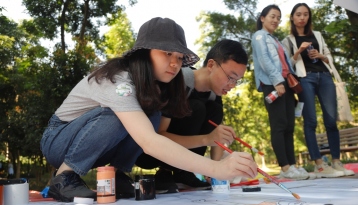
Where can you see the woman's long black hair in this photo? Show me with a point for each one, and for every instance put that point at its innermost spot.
(308, 26)
(151, 94)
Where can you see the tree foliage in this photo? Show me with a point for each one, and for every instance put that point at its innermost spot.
(120, 37)
(245, 109)
(340, 28)
(36, 78)
(21, 114)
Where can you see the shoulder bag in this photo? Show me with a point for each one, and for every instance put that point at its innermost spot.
(343, 108)
(294, 83)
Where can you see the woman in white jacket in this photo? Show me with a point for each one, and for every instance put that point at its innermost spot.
(313, 67)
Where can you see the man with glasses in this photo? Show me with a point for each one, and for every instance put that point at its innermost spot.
(223, 69)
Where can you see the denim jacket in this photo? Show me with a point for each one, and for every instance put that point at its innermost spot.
(267, 64)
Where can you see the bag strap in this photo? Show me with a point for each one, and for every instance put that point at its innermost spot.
(190, 84)
(336, 75)
(291, 48)
(291, 45)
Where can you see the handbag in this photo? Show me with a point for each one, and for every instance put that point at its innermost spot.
(343, 108)
(294, 83)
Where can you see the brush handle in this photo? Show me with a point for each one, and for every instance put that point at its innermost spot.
(262, 172)
(273, 180)
(224, 147)
(249, 146)
(241, 141)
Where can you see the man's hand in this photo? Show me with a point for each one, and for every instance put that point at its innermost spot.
(223, 134)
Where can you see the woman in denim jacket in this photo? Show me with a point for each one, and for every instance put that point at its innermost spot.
(271, 66)
(314, 68)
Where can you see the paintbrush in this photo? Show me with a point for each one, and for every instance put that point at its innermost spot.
(264, 174)
(251, 182)
(241, 141)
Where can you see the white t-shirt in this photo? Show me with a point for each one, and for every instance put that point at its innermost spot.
(85, 96)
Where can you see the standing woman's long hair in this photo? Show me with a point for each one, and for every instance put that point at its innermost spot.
(151, 94)
(308, 26)
(264, 13)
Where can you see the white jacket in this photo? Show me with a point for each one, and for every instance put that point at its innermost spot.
(298, 64)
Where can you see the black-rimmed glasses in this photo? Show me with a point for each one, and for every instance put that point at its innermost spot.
(231, 80)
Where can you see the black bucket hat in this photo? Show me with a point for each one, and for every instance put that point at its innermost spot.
(163, 34)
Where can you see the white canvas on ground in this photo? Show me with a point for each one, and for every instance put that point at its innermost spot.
(337, 191)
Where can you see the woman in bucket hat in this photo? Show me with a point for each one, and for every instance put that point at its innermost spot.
(112, 115)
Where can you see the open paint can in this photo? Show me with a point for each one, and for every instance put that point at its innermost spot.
(144, 187)
(14, 192)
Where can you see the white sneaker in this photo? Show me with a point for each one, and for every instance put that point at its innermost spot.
(293, 173)
(339, 166)
(304, 172)
(325, 171)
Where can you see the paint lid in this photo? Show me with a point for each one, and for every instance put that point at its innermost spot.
(146, 177)
(12, 181)
(105, 168)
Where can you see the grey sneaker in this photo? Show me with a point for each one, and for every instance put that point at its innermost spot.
(339, 166)
(326, 171)
(68, 185)
(294, 173)
(311, 175)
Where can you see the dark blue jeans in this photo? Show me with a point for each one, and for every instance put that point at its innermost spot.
(94, 139)
(320, 84)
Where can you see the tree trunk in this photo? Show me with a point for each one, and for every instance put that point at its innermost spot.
(18, 165)
(62, 24)
(353, 19)
(84, 21)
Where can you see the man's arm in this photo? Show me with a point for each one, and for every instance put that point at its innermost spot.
(186, 141)
(216, 153)
(223, 134)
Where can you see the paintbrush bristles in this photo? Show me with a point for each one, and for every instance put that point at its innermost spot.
(296, 196)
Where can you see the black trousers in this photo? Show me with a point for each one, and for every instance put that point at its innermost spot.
(196, 124)
(281, 114)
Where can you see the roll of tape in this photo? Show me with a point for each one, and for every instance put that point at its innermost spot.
(82, 201)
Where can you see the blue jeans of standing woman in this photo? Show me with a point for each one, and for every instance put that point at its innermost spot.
(320, 84)
(94, 139)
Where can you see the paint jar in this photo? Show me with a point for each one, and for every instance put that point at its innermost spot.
(220, 186)
(106, 189)
(144, 187)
